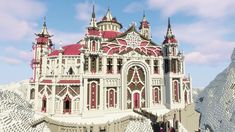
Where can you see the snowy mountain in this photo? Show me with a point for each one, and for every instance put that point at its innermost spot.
(18, 87)
(196, 92)
(216, 102)
(16, 114)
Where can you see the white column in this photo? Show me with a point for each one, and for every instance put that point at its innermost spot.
(118, 97)
(53, 99)
(101, 107)
(36, 100)
(115, 65)
(151, 66)
(97, 64)
(105, 89)
(85, 96)
(89, 64)
(82, 63)
(104, 63)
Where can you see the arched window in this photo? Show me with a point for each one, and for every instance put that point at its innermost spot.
(67, 104)
(93, 46)
(70, 72)
(32, 93)
(44, 104)
(93, 95)
(156, 95)
(185, 97)
(111, 97)
(176, 91)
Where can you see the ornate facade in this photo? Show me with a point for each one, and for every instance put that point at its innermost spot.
(109, 70)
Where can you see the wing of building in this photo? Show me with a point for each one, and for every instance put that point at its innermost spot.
(108, 71)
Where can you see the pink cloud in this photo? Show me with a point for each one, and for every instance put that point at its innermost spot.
(19, 18)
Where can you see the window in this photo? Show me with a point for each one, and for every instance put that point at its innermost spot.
(176, 91)
(109, 65)
(86, 64)
(155, 67)
(119, 65)
(70, 72)
(32, 93)
(93, 64)
(156, 95)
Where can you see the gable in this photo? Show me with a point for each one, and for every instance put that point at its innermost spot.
(129, 41)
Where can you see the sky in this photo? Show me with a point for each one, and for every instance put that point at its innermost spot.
(204, 29)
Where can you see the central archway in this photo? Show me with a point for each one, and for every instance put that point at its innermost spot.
(135, 84)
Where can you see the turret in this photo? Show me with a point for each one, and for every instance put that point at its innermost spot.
(109, 23)
(93, 36)
(170, 44)
(173, 69)
(145, 28)
(42, 47)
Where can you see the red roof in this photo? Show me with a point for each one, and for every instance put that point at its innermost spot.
(69, 81)
(144, 24)
(42, 40)
(46, 81)
(170, 40)
(92, 31)
(73, 49)
(110, 34)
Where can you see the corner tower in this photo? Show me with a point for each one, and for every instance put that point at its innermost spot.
(173, 70)
(42, 47)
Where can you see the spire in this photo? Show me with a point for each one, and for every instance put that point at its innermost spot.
(169, 33)
(93, 19)
(44, 32)
(93, 11)
(170, 37)
(144, 17)
(109, 15)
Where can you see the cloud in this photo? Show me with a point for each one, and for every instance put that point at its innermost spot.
(9, 60)
(134, 7)
(66, 37)
(18, 18)
(201, 8)
(83, 11)
(17, 54)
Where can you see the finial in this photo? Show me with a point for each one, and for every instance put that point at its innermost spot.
(44, 21)
(93, 11)
(169, 22)
(143, 13)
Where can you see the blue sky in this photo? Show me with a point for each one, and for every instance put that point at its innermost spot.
(205, 30)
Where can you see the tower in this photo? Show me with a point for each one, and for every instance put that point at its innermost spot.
(173, 70)
(42, 47)
(145, 27)
(93, 36)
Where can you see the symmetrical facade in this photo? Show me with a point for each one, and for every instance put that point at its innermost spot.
(108, 70)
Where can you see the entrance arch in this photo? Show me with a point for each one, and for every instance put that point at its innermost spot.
(135, 85)
(67, 105)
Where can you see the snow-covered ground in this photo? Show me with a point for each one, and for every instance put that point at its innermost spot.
(216, 102)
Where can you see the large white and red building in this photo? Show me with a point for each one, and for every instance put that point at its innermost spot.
(108, 71)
